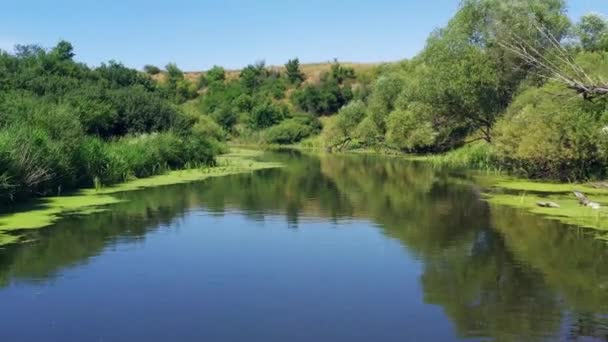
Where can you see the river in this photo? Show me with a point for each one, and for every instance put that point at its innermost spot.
(327, 248)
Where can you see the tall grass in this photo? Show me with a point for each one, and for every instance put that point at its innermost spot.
(480, 156)
(34, 164)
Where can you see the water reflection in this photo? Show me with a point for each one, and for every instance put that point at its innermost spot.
(496, 272)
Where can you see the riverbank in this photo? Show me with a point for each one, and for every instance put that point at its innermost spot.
(500, 189)
(45, 211)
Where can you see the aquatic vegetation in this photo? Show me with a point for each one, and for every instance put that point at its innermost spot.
(46, 211)
(525, 194)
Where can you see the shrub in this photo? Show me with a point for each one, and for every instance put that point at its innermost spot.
(206, 127)
(292, 130)
(343, 127)
(266, 114)
(409, 129)
(549, 133)
(151, 69)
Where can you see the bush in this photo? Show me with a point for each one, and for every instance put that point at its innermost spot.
(343, 126)
(292, 130)
(409, 129)
(139, 111)
(266, 114)
(49, 103)
(207, 127)
(151, 69)
(549, 133)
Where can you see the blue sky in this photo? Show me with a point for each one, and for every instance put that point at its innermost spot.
(199, 34)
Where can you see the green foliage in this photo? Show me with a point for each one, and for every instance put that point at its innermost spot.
(324, 98)
(294, 75)
(176, 86)
(266, 114)
(341, 74)
(63, 51)
(592, 31)
(206, 127)
(383, 98)
(468, 85)
(549, 133)
(253, 75)
(64, 125)
(216, 74)
(151, 69)
(292, 130)
(344, 126)
(479, 155)
(410, 129)
(32, 162)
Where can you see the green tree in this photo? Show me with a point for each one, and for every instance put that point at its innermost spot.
(592, 30)
(253, 75)
(265, 114)
(216, 74)
(294, 74)
(63, 51)
(151, 69)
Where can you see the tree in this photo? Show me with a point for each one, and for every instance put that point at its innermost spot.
(294, 75)
(266, 114)
(151, 69)
(173, 72)
(557, 63)
(63, 50)
(23, 51)
(216, 74)
(340, 73)
(471, 75)
(253, 75)
(342, 128)
(177, 86)
(592, 30)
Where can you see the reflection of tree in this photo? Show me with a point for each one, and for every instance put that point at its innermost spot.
(495, 272)
(571, 263)
(74, 240)
(467, 268)
(487, 294)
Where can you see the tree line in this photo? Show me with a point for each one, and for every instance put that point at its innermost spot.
(513, 85)
(64, 125)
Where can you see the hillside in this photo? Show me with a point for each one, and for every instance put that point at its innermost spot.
(312, 71)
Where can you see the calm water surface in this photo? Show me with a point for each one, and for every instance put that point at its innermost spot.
(331, 248)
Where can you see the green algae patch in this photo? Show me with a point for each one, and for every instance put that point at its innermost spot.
(524, 194)
(46, 211)
(569, 212)
(541, 187)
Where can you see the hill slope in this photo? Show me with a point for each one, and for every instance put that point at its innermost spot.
(313, 71)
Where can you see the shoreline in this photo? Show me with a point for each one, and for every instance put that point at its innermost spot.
(43, 212)
(500, 188)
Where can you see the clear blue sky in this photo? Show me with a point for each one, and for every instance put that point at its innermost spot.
(198, 34)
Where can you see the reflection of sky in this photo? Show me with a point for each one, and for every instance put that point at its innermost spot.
(229, 277)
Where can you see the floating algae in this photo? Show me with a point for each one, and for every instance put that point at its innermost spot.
(45, 211)
(526, 194)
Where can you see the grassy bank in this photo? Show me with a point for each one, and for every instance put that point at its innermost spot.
(45, 211)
